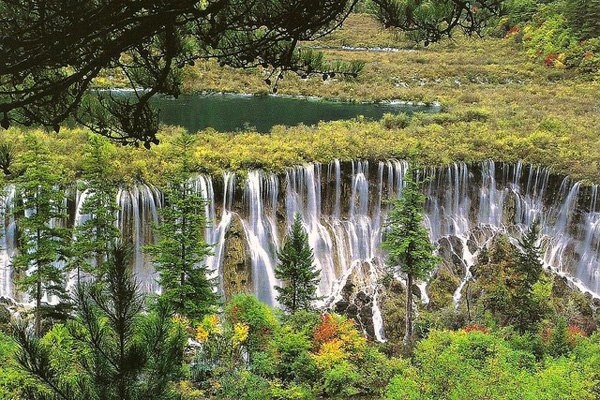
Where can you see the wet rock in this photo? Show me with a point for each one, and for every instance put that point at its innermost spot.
(7, 301)
(5, 316)
(357, 306)
(416, 291)
(237, 266)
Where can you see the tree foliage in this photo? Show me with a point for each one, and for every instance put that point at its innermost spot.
(474, 364)
(511, 284)
(181, 250)
(406, 240)
(431, 20)
(529, 268)
(42, 239)
(584, 17)
(53, 50)
(95, 236)
(297, 271)
(111, 350)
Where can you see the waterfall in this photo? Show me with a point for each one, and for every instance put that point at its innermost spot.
(139, 212)
(8, 240)
(215, 232)
(343, 208)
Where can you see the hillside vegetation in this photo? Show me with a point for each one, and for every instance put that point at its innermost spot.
(499, 100)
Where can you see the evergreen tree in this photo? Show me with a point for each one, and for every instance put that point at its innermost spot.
(94, 238)
(112, 350)
(42, 239)
(297, 271)
(407, 243)
(584, 17)
(181, 250)
(528, 268)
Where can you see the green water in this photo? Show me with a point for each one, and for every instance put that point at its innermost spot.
(230, 113)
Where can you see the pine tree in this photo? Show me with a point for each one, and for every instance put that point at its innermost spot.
(431, 20)
(528, 268)
(410, 252)
(94, 238)
(181, 250)
(113, 349)
(297, 271)
(42, 239)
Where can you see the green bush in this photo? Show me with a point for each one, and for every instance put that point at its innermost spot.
(520, 11)
(247, 309)
(293, 392)
(293, 348)
(377, 370)
(341, 381)
(264, 363)
(244, 385)
(395, 121)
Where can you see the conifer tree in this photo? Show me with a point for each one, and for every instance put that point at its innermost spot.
(297, 271)
(410, 252)
(42, 239)
(181, 250)
(112, 349)
(584, 17)
(430, 21)
(96, 235)
(528, 268)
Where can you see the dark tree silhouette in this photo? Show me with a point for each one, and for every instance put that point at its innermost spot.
(53, 49)
(431, 20)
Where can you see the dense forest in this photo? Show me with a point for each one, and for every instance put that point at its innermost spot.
(513, 81)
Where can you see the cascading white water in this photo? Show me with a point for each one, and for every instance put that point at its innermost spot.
(260, 228)
(139, 212)
(8, 241)
(343, 209)
(215, 235)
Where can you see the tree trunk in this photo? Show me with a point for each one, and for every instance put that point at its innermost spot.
(38, 309)
(408, 333)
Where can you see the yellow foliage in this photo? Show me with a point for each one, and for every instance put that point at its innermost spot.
(201, 334)
(330, 354)
(240, 333)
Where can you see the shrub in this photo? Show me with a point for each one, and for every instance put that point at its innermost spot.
(341, 380)
(243, 385)
(293, 392)
(293, 348)
(247, 309)
(395, 121)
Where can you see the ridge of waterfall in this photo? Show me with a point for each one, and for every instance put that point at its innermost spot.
(139, 207)
(343, 208)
